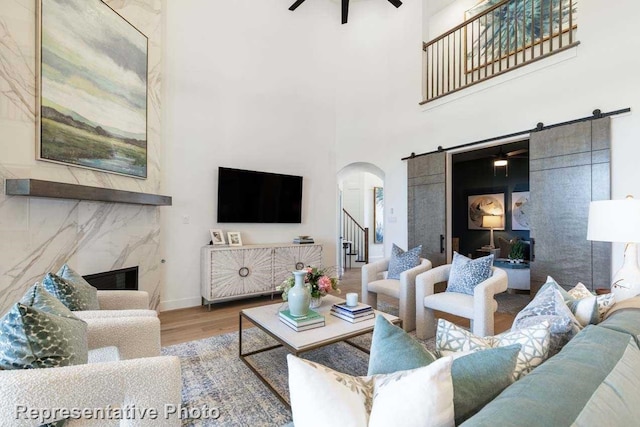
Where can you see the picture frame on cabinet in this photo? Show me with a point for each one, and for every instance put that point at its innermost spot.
(217, 236)
(234, 238)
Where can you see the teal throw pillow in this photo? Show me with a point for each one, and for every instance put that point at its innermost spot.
(75, 295)
(392, 350)
(38, 297)
(467, 273)
(477, 378)
(481, 376)
(401, 261)
(32, 338)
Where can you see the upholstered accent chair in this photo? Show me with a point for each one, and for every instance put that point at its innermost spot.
(374, 282)
(125, 368)
(479, 307)
(120, 304)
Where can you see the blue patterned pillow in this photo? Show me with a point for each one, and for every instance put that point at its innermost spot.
(75, 296)
(31, 338)
(548, 305)
(402, 261)
(467, 273)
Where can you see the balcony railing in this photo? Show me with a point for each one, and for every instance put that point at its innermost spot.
(505, 36)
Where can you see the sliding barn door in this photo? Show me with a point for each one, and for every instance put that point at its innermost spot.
(427, 206)
(569, 167)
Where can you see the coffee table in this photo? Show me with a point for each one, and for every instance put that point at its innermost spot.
(335, 330)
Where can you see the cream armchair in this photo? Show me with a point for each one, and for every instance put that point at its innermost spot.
(374, 282)
(479, 307)
(126, 371)
(119, 304)
(146, 383)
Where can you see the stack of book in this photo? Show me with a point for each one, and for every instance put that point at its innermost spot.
(310, 321)
(358, 313)
(303, 240)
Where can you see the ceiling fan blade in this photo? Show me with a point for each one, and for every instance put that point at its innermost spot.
(396, 3)
(296, 4)
(516, 152)
(345, 11)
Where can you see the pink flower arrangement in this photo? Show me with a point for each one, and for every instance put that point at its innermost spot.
(318, 280)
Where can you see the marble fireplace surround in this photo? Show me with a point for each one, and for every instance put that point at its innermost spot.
(38, 235)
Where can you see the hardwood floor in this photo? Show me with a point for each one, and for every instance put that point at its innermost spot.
(196, 323)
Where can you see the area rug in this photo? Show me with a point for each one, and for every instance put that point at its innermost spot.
(214, 376)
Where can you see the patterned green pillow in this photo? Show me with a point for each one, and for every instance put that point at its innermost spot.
(33, 338)
(38, 297)
(75, 295)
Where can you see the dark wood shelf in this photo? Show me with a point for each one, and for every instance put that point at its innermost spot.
(59, 190)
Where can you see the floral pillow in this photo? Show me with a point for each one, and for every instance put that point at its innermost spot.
(421, 397)
(534, 341)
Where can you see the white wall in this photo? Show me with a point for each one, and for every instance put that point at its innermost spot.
(249, 84)
(379, 85)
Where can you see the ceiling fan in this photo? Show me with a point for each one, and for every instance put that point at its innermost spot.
(502, 159)
(345, 7)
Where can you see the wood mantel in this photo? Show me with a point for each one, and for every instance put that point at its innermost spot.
(60, 190)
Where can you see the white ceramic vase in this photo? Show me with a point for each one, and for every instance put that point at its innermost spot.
(299, 295)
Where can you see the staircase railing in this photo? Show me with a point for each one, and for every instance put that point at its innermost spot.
(355, 239)
(503, 37)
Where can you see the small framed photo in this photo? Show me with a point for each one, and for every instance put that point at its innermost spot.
(234, 238)
(217, 236)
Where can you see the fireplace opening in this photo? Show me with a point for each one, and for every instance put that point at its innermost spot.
(125, 279)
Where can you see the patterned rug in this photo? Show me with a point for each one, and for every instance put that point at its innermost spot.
(213, 375)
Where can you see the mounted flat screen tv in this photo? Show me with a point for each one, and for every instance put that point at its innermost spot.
(258, 197)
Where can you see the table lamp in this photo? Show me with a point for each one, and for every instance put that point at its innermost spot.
(619, 221)
(492, 221)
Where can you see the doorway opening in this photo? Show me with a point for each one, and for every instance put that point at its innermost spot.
(360, 215)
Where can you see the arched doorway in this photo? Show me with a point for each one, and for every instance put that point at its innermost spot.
(360, 215)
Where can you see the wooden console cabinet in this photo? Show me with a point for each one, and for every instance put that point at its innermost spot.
(234, 272)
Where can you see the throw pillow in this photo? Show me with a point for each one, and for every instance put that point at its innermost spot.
(505, 247)
(477, 378)
(39, 298)
(75, 296)
(603, 302)
(481, 376)
(71, 276)
(585, 306)
(32, 338)
(549, 305)
(402, 261)
(392, 350)
(467, 273)
(420, 397)
(535, 341)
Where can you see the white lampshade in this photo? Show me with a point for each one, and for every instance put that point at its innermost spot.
(492, 221)
(614, 221)
(500, 162)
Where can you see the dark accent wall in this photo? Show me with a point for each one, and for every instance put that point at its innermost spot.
(476, 177)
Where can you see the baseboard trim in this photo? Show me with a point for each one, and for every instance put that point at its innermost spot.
(176, 304)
